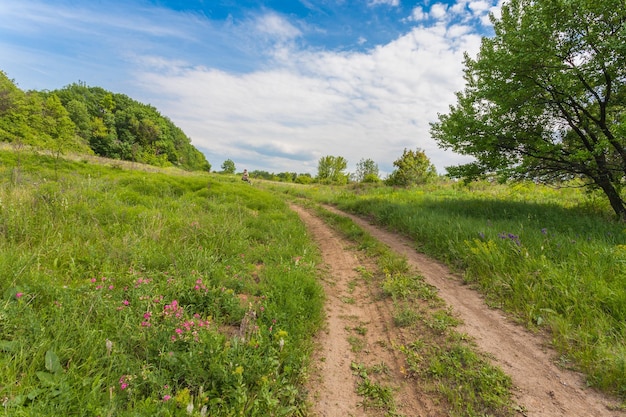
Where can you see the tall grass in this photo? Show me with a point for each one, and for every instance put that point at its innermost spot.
(128, 293)
(553, 257)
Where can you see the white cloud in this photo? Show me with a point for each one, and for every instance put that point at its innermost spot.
(479, 7)
(438, 11)
(393, 3)
(310, 104)
(418, 14)
(276, 26)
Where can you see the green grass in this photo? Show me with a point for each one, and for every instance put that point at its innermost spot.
(553, 257)
(127, 293)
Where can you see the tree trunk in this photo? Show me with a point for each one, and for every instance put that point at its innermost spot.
(614, 198)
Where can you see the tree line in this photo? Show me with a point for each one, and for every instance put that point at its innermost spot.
(83, 119)
(412, 168)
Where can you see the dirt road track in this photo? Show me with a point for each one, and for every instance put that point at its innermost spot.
(542, 388)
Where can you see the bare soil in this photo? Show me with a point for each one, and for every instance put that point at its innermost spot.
(360, 330)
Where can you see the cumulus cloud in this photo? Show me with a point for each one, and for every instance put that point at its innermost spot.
(309, 104)
(439, 11)
(418, 14)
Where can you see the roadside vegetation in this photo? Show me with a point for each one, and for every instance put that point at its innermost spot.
(442, 362)
(553, 257)
(128, 293)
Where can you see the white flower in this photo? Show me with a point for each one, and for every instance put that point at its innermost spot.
(204, 411)
(190, 408)
(109, 346)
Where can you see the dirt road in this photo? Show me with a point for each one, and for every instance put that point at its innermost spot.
(541, 387)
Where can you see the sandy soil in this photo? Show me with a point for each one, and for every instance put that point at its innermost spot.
(541, 387)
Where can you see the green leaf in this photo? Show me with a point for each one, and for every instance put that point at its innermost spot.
(53, 364)
(34, 393)
(8, 346)
(46, 378)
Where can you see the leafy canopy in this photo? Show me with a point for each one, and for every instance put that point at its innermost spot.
(331, 169)
(89, 120)
(367, 171)
(545, 97)
(228, 167)
(412, 168)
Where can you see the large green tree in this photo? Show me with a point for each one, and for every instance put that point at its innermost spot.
(546, 97)
(228, 167)
(331, 169)
(412, 168)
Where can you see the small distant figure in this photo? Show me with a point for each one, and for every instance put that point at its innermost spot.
(245, 177)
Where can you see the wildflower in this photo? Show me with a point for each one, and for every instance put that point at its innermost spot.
(123, 382)
(111, 287)
(167, 397)
(281, 343)
(147, 315)
(19, 295)
(190, 408)
(544, 231)
(204, 411)
(482, 235)
(126, 302)
(109, 346)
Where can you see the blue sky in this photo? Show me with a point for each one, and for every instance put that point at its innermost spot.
(273, 85)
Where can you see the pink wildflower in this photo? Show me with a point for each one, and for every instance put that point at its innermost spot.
(166, 397)
(19, 295)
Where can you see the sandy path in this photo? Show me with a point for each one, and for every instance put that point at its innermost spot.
(351, 305)
(542, 388)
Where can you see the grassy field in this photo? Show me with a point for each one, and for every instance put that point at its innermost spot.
(553, 258)
(127, 293)
(130, 292)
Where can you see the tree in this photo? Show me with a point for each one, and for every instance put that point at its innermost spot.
(366, 171)
(228, 167)
(545, 98)
(412, 168)
(330, 169)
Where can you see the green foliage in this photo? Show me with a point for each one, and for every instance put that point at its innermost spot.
(366, 171)
(85, 120)
(228, 167)
(412, 168)
(331, 170)
(148, 293)
(554, 112)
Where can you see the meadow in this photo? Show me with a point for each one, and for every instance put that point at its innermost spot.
(128, 293)
(553, 258)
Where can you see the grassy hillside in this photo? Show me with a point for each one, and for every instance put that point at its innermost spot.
(133, 293)
(91, 120)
